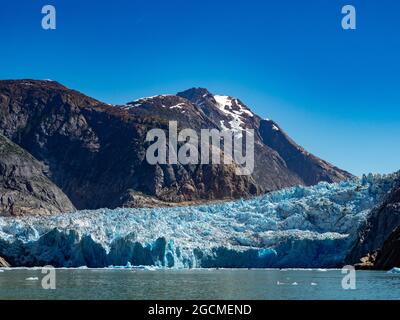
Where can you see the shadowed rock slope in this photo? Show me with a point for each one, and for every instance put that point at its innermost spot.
(24, 187)
(378, 237)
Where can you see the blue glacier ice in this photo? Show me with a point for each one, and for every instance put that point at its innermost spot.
(394, 271)
(300, 227)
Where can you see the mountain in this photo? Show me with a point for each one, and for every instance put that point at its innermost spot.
(279, 161)
(95, 152)
(271, 172)
(378, 228)
(24, 187)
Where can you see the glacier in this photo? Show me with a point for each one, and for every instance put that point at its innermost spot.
(299, 227)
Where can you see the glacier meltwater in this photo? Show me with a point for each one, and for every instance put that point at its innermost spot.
(300, 227)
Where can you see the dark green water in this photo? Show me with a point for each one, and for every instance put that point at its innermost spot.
(197, 284)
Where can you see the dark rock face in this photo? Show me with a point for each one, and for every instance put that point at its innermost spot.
(379, 227)
(172, 108)
(24, 187)
(96, 153)
(389, 256)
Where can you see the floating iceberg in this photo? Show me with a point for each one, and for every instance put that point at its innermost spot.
(300, 227)
(394, 271)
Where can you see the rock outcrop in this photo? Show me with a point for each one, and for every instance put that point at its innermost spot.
(379, 227)
(388, 257)
(24, 187)
(4, 263)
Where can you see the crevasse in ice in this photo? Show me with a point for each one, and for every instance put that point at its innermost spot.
(300, 227)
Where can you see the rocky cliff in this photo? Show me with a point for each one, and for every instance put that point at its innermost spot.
(4, 263)
(388, 256)
(378, 228)
(24, 187)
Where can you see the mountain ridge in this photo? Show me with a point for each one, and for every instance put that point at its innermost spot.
(95, 152)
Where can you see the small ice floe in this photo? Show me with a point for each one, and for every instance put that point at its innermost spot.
(151, 268)
(1, 270)
(127, 266)
(395, 271)
(314, 284)
(280, 283)
(32, 279)
(295, 284)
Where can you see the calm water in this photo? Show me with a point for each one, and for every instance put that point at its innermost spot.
(197, 284)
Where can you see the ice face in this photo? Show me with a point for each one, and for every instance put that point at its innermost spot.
(300, 227)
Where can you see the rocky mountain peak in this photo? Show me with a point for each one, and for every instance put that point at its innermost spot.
(161, 101)
(35, 83)
(204, 98)
(195, 94)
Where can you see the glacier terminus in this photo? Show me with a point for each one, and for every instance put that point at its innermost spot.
(299, 227)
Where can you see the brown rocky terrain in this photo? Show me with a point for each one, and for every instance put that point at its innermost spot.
(95, 152)
(24, 187)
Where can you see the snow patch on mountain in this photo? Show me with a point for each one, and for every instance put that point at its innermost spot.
(229, 105)
(178, 106)
(223, 101)
(147, 99)
(275, 128)
(234, 110)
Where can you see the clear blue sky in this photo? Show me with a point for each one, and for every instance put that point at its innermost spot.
(336, 92)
